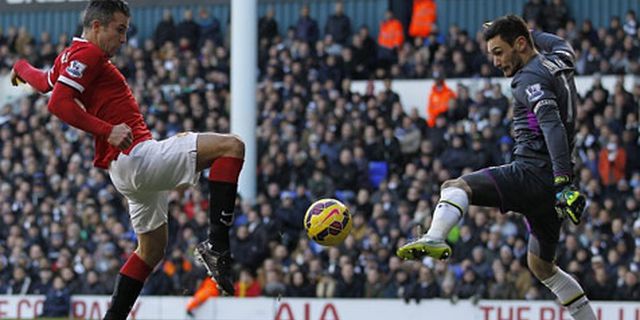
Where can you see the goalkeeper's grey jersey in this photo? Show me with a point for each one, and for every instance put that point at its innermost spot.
(545, 104)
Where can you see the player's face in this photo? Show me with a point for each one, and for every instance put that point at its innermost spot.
(112, 36)
(504, 56)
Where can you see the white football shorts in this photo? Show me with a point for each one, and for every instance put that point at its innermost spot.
(147, 174)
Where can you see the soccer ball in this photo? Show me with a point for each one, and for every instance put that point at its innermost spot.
(327, 222)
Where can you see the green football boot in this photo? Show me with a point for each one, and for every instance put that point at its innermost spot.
(425, 246)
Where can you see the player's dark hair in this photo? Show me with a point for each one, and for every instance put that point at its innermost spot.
(509, 28)
(103, 11)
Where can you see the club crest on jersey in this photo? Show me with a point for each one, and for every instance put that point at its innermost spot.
(76, 68)
(534, 92)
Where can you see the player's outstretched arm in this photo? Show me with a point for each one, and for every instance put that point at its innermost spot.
(24, 72)
(549, 42)
(63, 104)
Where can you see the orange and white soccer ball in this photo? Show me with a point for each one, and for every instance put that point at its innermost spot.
(327, 222)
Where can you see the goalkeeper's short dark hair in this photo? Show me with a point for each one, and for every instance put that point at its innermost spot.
(103, 11)
(509, 28)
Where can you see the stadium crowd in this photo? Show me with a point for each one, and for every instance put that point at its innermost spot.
(63, 222)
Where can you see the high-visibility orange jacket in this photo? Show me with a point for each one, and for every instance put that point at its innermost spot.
(612, 171)
(423, 17)
(208, 288)
(438, 102)
(391, 34)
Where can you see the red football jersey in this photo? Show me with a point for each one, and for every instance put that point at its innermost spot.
(104, 94)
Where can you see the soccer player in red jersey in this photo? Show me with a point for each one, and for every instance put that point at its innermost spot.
(90, 93)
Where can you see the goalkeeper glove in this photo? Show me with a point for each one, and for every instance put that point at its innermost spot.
(569, 201)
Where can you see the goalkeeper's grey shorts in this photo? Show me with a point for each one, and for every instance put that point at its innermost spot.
(526, 187)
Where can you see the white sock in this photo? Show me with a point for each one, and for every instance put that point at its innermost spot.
(571, 295)
(452, 206)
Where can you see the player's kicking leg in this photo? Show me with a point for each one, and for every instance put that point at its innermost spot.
(224, 155)
(479, 188)
(453, 204)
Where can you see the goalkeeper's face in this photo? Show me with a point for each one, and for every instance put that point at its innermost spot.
(110, 37)
(506, 57)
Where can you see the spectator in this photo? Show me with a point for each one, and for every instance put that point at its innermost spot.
(165, 30)
(273, 286)
(44, 281)
(556, 15)
(349, 284)
(368, 47)
(57, 302)
(533, 13)
(423, 18)
(268, 26)
(600, 287)
(390, 38)
(630, 23)
(426, 286)
(92, 285)
(210, 28)
(158, 283)
(471, 286)
(374, 285)
(299, 286)
(307, 27)
(247, 285)
(20, 283)
(188, 32)
(326, 286)
(503, 288)
(338, 25)
(630, 290)
(612, 163)
(440, 99)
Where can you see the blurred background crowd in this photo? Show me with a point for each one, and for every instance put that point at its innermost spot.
(63, 222)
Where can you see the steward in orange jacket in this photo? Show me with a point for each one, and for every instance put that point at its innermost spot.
(391, 34)
(423, 17)
(439, 101)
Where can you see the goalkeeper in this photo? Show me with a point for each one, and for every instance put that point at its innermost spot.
(539, 182)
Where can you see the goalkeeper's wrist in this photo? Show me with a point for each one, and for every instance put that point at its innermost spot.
(560, 181)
